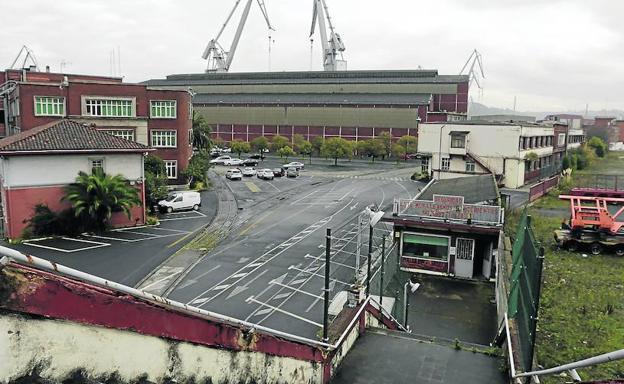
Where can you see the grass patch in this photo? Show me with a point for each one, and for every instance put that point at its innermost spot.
(582, 301)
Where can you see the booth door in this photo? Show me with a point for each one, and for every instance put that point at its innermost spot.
(464, 258)
(487, 261)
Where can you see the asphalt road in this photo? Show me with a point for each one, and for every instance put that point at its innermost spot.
(270, 271)
(125, 256)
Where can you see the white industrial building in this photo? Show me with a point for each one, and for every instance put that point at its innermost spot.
(516, 153)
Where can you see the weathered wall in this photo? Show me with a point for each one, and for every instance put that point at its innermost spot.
(56, 350)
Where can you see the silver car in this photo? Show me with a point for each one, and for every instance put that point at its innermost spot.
(265, 174)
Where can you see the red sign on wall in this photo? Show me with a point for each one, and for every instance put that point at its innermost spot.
(449, 207)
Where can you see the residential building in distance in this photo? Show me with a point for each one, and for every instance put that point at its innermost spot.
(155, 117)
(573, 121)
(37, 164)
(516, 153)
(355, 105)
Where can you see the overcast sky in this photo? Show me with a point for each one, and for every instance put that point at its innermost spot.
(550, 54)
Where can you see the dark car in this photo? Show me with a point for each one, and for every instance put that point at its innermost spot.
(256, 156)
(250, 162)
(279, 172)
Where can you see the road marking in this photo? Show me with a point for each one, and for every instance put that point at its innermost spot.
(316, 225)
(190, 282)
(163, 279)
(239, 275)
(241, 288)
(332, 285)
(304, 197)
(220, 287)
(276, 309)
(271, 184)
(296, 290)
(252, 187)
(281, 296)
(198, 301)
(297, 282)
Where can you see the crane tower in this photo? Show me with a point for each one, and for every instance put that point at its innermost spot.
(333, 47)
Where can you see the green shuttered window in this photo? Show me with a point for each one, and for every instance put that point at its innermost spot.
(423, 246)
(49, 106)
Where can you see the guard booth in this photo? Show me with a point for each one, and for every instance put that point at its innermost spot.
(451, 228)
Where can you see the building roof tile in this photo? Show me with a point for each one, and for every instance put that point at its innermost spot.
(67, 136)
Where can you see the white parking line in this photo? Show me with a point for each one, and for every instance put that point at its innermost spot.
(146, 236)
(276, 309)
(196, 215)
(98, 245)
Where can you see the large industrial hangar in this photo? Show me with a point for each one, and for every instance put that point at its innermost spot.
(355, 105)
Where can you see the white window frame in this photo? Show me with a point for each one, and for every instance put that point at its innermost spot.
(55, 101)
(122, 133)
(471, 166)
(174, 167)
(424, 165)
(168, 109)
(448, 238)
(101, 104)
(163, 137)
(461, 138)
(93, 160)
(561, 139)
(445, 164)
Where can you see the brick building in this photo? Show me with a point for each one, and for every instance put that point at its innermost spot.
(159, 118)
(355, 105)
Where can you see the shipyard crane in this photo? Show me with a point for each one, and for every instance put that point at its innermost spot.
(220, 60)
(474, 60)
(28, 55)
(333, 47)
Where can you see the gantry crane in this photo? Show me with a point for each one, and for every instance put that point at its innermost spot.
(474, 60)
(333, 47)
(220, 60)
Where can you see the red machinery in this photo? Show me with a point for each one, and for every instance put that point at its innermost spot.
(593, 213)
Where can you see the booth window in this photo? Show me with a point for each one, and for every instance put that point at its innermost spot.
(430, 247)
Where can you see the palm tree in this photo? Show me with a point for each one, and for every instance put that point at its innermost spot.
(96, 196)
(201, 132)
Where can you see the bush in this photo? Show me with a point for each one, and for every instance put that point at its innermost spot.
(45, 222)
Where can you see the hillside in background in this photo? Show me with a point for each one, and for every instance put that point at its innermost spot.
(481, 109)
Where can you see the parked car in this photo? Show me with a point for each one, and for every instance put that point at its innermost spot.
(234, 174)
(233, 162)
(294, 164)
(292, 172)
(226, 150)
(221, 160)
(177, 201)
(256, 156)
(249, 172)
(265, 174)
(279, 172)
(250, 162)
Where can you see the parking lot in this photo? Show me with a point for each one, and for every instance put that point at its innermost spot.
(124, 255)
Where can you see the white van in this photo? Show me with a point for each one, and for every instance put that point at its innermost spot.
(177, 201)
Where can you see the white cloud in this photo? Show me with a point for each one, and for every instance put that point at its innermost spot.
(550, 54)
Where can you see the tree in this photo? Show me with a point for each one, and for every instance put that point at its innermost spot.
(298, 140)
(599, 146)
(410, 143)
(201, 132)
(372, 148)
(155, 179)
(286, 152)
(335, 148)
(565, 163)
(386, 140)
(259, 144)
(239, 146)
(306, 149)
(398, 151)
(317, 143)
(197, 168)
(95, 197)
(278, 142)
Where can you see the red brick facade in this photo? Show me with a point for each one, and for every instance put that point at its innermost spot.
(77, 87)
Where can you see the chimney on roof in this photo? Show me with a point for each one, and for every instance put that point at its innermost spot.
(47, 68)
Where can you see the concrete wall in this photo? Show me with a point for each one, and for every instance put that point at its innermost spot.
(326, 88)
(56, 350)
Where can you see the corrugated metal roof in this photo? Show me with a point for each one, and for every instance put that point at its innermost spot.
(313, 98)
(313, 77)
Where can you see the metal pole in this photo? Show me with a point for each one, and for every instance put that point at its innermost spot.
(405, 304)
(381, 276)
(370, 259)
(326, 290)
(358, 246)
(534, 320)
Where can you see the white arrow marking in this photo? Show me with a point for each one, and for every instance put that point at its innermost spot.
(195, 280)
(318, 297)
(243, 260)
(270, 307)
(241, 288)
